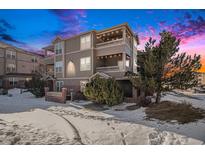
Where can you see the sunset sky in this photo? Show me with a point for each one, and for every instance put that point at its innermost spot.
(34, 29)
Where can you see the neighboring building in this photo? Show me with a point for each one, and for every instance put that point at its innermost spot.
(17, 65)
(111, 51)
(201, 78)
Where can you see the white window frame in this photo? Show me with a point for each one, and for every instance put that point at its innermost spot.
(85, 42)
(12, 68)
(58, 48)
(59, 85)
(34, 59)
(10, 54)
(59, 67)
(12, 81)
(85, 63)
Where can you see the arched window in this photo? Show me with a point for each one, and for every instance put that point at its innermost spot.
(71, 69)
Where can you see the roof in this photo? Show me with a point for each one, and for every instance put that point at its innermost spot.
(120, 25)
(101, 74)
(96, 31)
(49, 47)
(6, 45)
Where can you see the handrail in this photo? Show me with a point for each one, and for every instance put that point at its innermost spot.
(109, 42)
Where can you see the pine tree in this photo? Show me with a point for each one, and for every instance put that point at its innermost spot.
(162, 68)
(170, 69)
(37, 85)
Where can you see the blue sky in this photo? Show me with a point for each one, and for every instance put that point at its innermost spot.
(34, 29)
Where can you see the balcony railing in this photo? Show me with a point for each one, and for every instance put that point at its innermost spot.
(107, 68)
(108, 43)
(49, 60)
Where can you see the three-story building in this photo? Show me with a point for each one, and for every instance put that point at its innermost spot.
(71, 62)
(17, 65)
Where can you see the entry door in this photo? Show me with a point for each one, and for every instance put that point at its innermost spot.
(59, 85)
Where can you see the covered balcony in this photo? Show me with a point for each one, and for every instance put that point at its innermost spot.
(111, 63)
(49, 60)
(116, 36)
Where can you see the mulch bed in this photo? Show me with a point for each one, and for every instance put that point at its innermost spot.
(172, 111)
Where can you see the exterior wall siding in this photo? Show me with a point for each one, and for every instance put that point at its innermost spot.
(72, 53)
(59, 58)
(110, 50)
(75, 59)
(2, 66)
(23, 62)
(49, 60)
(72, 44)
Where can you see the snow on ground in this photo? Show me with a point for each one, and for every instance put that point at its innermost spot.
(35, 127)
(73, 124)
(193, 130)
(22, 102)
(100, 128)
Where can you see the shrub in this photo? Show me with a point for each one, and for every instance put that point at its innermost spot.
(3, 91)
(36, 86)
(104, 91)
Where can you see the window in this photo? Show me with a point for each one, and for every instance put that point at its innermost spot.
(85, 64)
(11, 54)
(85, 42)
(82, 85)
(13, 82)
(58, 48)
(10, 68)
(58, 66)
(71, 69)
(59, 85)
(127, 63)
(34, 60)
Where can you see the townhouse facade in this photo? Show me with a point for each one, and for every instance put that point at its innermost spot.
(71, 62)
(17, 66)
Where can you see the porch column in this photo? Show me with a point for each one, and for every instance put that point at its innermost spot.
(124, 34)
(124, 60)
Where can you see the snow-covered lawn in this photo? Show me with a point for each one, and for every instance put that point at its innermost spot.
(138, 116)
(36, 127)
(28, 120)
(22, 102)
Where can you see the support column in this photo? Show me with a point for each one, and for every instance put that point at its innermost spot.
(124, 34)
(124, 60)
(64, 94)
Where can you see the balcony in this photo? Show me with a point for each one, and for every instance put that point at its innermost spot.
(107, 69)
(112, 63)
(110, 43)
(113, 42)
(49, 60)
